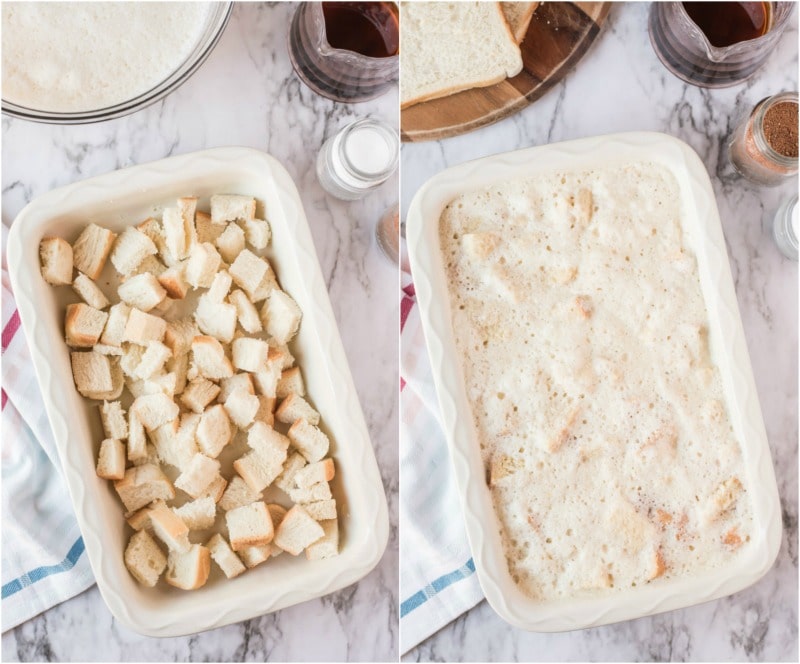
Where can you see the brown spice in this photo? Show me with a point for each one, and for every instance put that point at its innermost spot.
(781, 129)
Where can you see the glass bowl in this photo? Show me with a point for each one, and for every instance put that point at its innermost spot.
(218, 17)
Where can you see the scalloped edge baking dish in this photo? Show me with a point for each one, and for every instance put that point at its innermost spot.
(703, 233)
(129, 195)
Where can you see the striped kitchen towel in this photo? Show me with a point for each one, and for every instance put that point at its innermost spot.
(437, 575)
(43, 558)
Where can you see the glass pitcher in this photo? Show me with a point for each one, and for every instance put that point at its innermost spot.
(337, 73)
(686, 51)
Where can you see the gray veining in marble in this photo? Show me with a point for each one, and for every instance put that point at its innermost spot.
(622, 86)
(245, 94)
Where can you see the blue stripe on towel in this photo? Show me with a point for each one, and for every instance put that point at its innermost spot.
(419, 598)
(40, 573)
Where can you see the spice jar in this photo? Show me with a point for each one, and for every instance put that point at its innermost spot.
(764, 146)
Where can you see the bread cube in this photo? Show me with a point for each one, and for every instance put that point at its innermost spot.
(257, 232)
(312, 494)
(83, 325)
(237, 494)
(144, 559)
(154, 410)
(214, 431)
(198, 514)
(285, 481)
(295, 407)
(189, 571)
(328, 545)
(111, 459)
(252, 556)
(173, 281)
(250, 273)
(137, 440)
(89, 292)
(113, 419)
(206, 230)
(290, 382)
(153, 360)
(224, 556)
(321, 510)
(169, 528)
(239, 381)
(242, 408)
(142, 485)
(216, 319)
(246, 311)
(142, 291)
(95, 375)
(314, 473)
(199, 393)
(209, 358)
(216, 488)
(297, 531)
(266, 380)
(91, 250)
(250, 354)
(230, 207)
(202, 265)
(230, 243)
(130, 249)
(114, 331)
(55, 255)
(249, 525)
(141, 327)
(280, 316)
(197, 475)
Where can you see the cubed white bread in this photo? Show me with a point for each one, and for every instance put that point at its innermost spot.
(169, 527)
(144, 559)
(142, 485)
(150, 265)
(257, 232)
(266, 380)
(179, 335)
(250, 273)
(273, 443)
(197, 475)
(112, 416)
(114, 331)
(175, 441)
(91, 250)
(198, 514)
(276, 513)
(321, 510)
(252, 556)
(224, 556)
(216, 319)
(189, 571)
(290, 382)
(280, 316)
(137, 439)
(309, 440)
(311, 494)
(55, 255)
(209, 358)
(140, 520)
(141, 327)
(111, 459)
(202, 265)
(230, 207)
(237, 494)
(89, 292)
(328, 545)
(179, 365)
(163, 440)
(219, 288)
(163, 307)
(242, 408)
(216, 488)
(153, 360)
(199, 393)
(96, 376)
(142, 291)
(249, 525)
(108, 350)
(230, 243)
(295, 407)
(246, 311)
(188, 209)
(282, 355)
(266, 410)
(250, 354)
(153, 229)
(297, 531)
(150, 456)
(175, 233)
(260, 467)
(285, 481)
(206, 230)
(130, 249)
(214, 431)
(132, 355)
(313, 473)
(239, 381)
(83, 325)
(173, 281)
(161, 382)
(154, 410)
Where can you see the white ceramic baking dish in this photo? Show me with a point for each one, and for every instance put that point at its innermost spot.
(128, 196)
(703, 234)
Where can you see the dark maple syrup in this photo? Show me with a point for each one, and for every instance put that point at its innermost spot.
(368, 28)
(728, 23)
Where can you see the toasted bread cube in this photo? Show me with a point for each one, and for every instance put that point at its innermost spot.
(142, 485)
(209, 358)
(230, 207)
(246, 311)
(257, 232)
(295, 407)
(198, 514)
(206, 230)
(250, 354)
(111, 459)
(224, 556)
(141, 327)
(173, 281)
(242, 408)
(297, 531)
(89, 292)
(312, 443)
(93, 374)
(113, 418)
(314, 473)
(197, 475)
(216, 319)
(328, 545)
(169, 528)
(280, 316)
(321, 510)
(202, 265)
(250, 525)
(91, 250)
(250, 272)
(214, 431)
(189, 571)
(239, 381)
(291, 382)
(142, 291)
(154, 358)
(285, 481)
(230, 243)
(312, 494)
(144, 559)
(55, 255)
(137, 440)
(198, 394)
(130, 249)
(238, 494)
(154, 410)
(83, 325)
(252, 556)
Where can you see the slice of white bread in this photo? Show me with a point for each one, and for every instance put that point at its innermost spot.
(230, 207)
(142, 485)
(91, 249)
(114, 331)
(309, 440)
(83, 325)
(224, 556)
(55, 255)
(141, 327)
(280, 316)
(198, 475)
(214, 431)
(249, 525)
(190, 570)
(238, 494)
(328, 545)
(144, 559)
(142, 291)
(130, 249)
(313, 473)
(230, 243)
(89, 291)
(297, 531)
(246, 311)
(111, 459)
(454, 46)
(322, 510)
(199, 393)
(290, 382)
(198, 514)
(518, 16)
(112, 416)
(295, 407)
(209, 358)
(169, 527)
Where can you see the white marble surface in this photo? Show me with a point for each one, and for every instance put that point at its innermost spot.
(621, 86)
(245, 94)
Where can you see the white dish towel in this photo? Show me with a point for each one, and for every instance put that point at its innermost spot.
(44, 562)
(437, 575)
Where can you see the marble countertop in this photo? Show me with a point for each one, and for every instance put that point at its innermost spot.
(622, 86)
(245, 94)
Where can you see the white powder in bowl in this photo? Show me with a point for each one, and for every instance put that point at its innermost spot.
(82, 56)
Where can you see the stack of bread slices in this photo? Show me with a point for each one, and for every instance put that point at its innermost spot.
(185, 396)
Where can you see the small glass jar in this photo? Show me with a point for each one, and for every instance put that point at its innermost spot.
(785, 228)
(358, 159)
(751, 154)
(387, 233)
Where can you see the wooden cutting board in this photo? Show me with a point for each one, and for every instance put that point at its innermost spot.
(558, 36)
